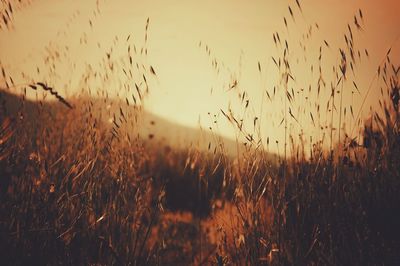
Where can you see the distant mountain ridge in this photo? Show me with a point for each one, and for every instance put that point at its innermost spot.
(149, 126)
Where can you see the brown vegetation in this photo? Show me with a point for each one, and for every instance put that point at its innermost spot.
(79, 184)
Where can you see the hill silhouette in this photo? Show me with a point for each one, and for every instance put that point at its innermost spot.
(146, 125)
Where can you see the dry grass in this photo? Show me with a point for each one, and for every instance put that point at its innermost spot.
(75, 189)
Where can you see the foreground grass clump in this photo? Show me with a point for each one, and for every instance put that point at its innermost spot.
(339, 208)
(71, 199)
(336, 208)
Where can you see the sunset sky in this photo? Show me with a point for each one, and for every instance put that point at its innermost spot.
(239, 35)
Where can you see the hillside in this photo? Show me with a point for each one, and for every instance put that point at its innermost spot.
(146, 124)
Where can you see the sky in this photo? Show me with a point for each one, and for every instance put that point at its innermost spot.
(238, 34)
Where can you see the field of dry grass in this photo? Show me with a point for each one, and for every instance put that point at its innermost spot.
(81, 183)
